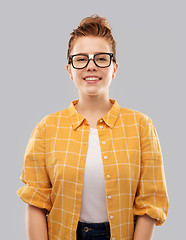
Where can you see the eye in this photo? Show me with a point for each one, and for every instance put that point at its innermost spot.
(81, 59)
(101, 59)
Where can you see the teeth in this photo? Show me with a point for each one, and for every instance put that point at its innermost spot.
(91, 78)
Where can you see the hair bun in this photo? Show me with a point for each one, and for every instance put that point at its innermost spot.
(95, 19)
(93, 26)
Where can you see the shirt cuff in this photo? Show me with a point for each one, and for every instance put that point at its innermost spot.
(39, 197)
(154, 212)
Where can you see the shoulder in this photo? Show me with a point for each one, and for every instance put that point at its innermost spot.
(132, 115)
(53, 119)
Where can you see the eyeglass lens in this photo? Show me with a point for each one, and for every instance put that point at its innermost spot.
(102, 60)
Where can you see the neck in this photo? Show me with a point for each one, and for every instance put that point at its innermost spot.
(93, 105)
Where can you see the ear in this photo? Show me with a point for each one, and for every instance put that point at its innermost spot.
(115, 70)
(68, 68)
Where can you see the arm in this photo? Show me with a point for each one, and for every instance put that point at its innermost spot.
(144, 228)
(37, 190)
(36, 223)
(151, 195)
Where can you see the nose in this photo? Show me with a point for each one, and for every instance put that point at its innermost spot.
(91, 64)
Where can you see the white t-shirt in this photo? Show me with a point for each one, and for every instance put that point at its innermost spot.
(93, 203)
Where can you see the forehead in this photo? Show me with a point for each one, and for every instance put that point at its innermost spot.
(90, 45)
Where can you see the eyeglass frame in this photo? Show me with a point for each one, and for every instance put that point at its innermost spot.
(91, 56)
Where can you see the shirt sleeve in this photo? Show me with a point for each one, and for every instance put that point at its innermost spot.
(37, 190)
(151, 195)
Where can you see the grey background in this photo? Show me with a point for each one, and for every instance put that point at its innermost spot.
(151, 53)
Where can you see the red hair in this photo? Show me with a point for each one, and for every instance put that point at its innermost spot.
(92, 26)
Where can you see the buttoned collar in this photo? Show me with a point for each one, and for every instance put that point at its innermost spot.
(109, 118)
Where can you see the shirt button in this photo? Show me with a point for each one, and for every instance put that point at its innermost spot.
(105, 157)
(108, 176)
(101, 120)
(109, 197)
(111, 217)
(100, 126)
(103, 142)
(113, 238)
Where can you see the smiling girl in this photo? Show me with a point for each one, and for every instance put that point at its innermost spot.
(95, 169)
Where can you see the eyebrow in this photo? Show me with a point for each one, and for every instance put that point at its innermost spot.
(90, 53)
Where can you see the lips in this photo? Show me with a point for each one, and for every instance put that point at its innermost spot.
(92, 78)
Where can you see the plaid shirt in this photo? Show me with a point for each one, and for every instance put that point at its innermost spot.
(54, 162)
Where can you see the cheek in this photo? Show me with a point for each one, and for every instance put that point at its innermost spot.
(76, 74)
(108, 73)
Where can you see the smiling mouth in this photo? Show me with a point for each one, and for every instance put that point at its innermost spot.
(92, 79)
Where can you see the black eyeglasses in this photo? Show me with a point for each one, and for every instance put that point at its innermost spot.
(101, 60)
